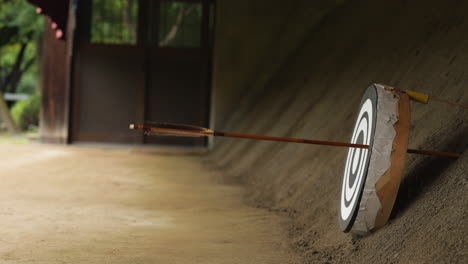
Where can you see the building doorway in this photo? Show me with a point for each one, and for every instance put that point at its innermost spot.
(138, 60)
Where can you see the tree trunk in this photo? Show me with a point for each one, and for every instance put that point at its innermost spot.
(15, 81)
(14, 76)
(6, 116)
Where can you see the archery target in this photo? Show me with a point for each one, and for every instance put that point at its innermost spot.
(357, 160)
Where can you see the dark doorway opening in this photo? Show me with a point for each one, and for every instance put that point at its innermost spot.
(138, 60)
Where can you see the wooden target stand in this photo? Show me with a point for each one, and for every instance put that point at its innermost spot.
(388, 185)
(376, 154)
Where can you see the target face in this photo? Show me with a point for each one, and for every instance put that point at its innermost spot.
(357, 160)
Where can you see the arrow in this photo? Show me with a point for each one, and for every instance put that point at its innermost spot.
(168, 129)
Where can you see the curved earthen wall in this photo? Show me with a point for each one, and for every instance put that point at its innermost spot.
(309, 84)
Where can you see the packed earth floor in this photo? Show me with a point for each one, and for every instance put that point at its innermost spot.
(117, 205)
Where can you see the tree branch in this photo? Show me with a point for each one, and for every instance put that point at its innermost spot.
(17, 72)
(183, 13)
(13, 76)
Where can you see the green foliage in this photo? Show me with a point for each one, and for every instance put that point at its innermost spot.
(180, 24)
(26, 113)
(28, 83)
(19, 22)
(114, 21)
(20, 27)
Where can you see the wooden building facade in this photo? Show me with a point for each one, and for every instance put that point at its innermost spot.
(109, 63)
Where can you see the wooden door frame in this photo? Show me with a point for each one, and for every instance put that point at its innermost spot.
(206, 49)
(81, 41)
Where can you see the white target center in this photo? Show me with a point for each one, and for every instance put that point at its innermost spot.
(357, 154)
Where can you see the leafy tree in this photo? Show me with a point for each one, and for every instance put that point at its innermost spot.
(180, 24)
(114, 21)
(20, 27)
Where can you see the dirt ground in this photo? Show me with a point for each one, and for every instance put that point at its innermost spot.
(114, 205)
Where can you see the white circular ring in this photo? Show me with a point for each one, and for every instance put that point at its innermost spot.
(363, 125)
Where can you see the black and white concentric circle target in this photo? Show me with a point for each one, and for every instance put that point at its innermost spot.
(357, 161)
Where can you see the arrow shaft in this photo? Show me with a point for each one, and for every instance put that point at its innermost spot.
(328, 143)
(293, 140)
(206, 132)
(433, 153)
